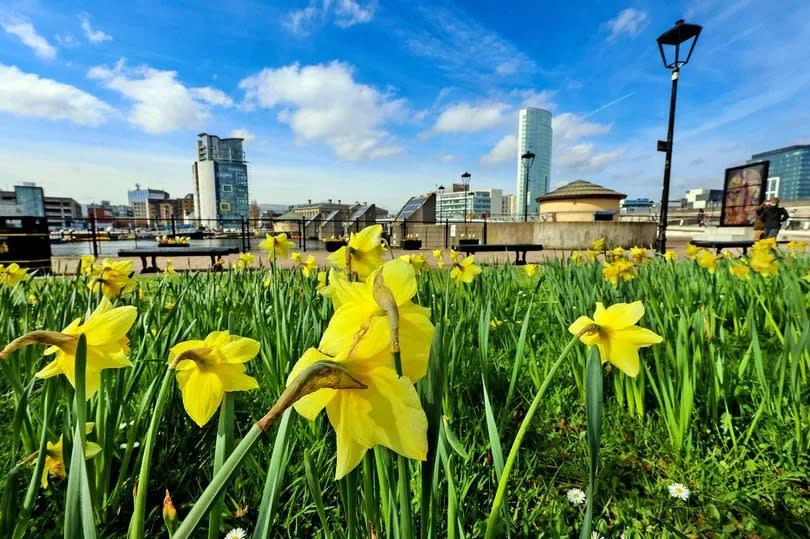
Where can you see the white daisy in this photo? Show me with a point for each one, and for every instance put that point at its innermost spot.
(595, 535)
(236, 533)
(576, 496)
(677, 490)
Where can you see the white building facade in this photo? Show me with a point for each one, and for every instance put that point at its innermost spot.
(534, 134)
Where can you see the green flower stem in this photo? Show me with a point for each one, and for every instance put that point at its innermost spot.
(593, 412)
(217, 484)
(223, 445)
(494, 513)
(404, 479)
(136, 525)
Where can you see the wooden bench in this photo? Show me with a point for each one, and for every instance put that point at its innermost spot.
(720, 245)
(520, 249)
(154, 252)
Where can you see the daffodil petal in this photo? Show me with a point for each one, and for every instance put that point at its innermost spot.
(400, 277)
(345, 323)
(202, 393)
(109, 325)
(184, 346)
(241, 350)
(341, 411)
(51, 369)
(415, 339)
(620, 315)
(639, 336)
(624, 355)
(579, 324)
(233, 377)
(91, 449)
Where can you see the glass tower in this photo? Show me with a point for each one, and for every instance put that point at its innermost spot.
(220, 181)
(30, 199)
(534, 134)
(791, 165)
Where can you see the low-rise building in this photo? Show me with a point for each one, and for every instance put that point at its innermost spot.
(702, 198)
(460, 203)
(580, 200)
(62, 211)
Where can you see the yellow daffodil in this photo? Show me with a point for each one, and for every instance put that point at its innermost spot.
(454, 255)
(617, 253)
(141, 293)
(321, 280)
(530, 269)
(495, 324)
(169, 305)
(13, 274)
(32, 299)
(246, 261)
(707, 260)
(764, 263)
(616, 334)
(418, 261)
(297, 259)
(309, 266)
(277, 245)
(578, 258)
(355, 306)
(639, 254)
(169, 268)
(438, 254)
(797, 245)
(807, 277)
(107, 345)
(598, 245)
(54, 457)
(365, 251)
(591, 255)
(620, 269)
(464, 271)
(670, 256)
(207, 369)
(692, 250)
(740, 272)
(727, 255)
(764, 245)
(335, 280)
(86, 264)
(387, 412)
(440, 264)
(266, 283)
(113, 278)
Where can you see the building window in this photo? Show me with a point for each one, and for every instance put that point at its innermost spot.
(225, 206)
(242, 201)
(227, 188)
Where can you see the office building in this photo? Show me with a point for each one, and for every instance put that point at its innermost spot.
(507, 205)
(534, 134)
(696, 199)
(26, 200)
(220, 181)
(145, 203)
(788, 172)
(62, 211)
(475, 203)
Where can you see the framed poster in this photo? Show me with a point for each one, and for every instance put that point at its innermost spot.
(743, 193)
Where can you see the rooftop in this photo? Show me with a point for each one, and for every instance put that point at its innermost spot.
(782, 150)
(580, 189)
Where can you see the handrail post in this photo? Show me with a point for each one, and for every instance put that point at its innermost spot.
(93, 235)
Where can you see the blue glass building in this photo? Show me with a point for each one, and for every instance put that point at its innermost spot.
(30, 199)
(788, 173)
(220, 182)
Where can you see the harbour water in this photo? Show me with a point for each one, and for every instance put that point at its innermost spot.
(111, 248)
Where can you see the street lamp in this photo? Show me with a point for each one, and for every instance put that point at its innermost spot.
(676, 36)
(528, 160)
(465, 180)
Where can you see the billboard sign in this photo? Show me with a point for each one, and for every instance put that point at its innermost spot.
(743, 193)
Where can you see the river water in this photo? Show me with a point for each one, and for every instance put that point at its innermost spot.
(110, 248)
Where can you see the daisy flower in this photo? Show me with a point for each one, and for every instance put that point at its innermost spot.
(576, 496)
(677, 490)
(236, 533)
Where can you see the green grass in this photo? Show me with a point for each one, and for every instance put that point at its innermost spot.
(722, 406)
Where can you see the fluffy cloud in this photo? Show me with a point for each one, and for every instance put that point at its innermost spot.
(324, 103)
(93, 36)
(161, 102)
(30, 38)
(569, 126)
(629, 21)
(466, 118)
(343, 13)
(504, 149)
(244, 134)
(27, 94)
(533, 98)
(582, 157)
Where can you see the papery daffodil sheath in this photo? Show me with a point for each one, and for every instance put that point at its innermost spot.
(277, 245)
(54, 457)
(464, 271)
(355, 307)
(617, 335)
(365, 251)
(211, 367)
(113, 278)
(13, 274)
(107, 345)
(388, 412)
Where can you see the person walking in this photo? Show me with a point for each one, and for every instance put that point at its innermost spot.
(773, 215)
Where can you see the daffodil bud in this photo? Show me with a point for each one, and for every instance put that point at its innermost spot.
(388, 303)
(51, 338)
(169, 514)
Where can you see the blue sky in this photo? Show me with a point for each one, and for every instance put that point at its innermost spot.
(376, 101)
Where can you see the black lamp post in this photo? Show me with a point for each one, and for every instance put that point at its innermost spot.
(465, 180)
(676, 36)
(528, 160)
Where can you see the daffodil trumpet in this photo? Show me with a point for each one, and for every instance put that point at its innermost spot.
(317, 376)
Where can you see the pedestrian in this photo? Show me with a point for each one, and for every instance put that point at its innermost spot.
(773, 215)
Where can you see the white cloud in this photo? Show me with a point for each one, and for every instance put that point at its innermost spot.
(30, 38)
(244, 134)
(323, 103)
(533, 98)
(27, 94)
(343, 13)
(66, 40)
(583, 157)
(570, 126)
(629, 21)
(504, 149)
(93, 36)
(161, 102)
(447, 158)
(466, 118)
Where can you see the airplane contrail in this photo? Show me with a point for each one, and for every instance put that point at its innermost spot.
(603, 107)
